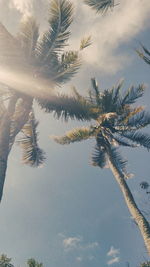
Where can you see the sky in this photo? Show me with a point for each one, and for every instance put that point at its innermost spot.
(68, 213)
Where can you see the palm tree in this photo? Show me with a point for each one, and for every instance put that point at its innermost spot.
(100, 5)
(117, 123)
(31, 64)
(5, 261)
(34, 263)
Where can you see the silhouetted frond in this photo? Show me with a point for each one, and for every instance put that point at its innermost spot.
(143, 139)
(122, 141)
(116, 93)
(67, 67)
(144, 185)
(34, 263)
(85, 42)
(132, 94)
(100, 5)
(143, 56)
(61, 16)
(28, 36)
(76, 135)
(139, 120)
(67, 107)
(99, 157)
(96, 91)
(32, 154)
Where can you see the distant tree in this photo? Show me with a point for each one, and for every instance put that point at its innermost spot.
(5, 261)
(117, 123)
(39, 62)
(145, 264)
(34, 263)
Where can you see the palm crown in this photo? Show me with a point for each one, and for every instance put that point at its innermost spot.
(31, 65)
(117, 123)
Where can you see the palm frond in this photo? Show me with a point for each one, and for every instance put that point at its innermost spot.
(116, 93)
(142, 139)
(32, 154)
(68, 66)
(132, 94)
(10, 51)
(96, 91)
(85, 42)
(141, 54)
(100, 5)
(123, 141)
(139, 120)
(99, 157)
(54, 40)
(67, 107)
(28, 36)
(76, 135)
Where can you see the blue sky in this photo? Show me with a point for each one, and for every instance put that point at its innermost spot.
(69, 213)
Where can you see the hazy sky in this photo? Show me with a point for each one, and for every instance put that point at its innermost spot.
(69, 213)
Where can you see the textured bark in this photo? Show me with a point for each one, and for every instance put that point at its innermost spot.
(10, 126)
(21, 118)
(5, 127)
(139, 218)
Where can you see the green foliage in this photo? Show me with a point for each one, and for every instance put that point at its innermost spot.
(34, 263)
(100, 5)
(85, 42)
(116, 124)
(144, 54)
(75, 135)
(32, 154)
(67, 107)
(145, 264)
(5, 261)
(60, 18)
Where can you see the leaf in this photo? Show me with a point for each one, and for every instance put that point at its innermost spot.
(100, 5)
(99, 157)
(76, 135)
(85, 42)
(68, 67)
(143, 139)
(54, 40)
(139, 120)
(133, 94)
(28, 36)
(32, 154)
(67, 107)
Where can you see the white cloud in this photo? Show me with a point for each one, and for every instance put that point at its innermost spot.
(113, 260)
(111, 31)
(25, 7)
(79, 259)
(71, 242)
(113, 252)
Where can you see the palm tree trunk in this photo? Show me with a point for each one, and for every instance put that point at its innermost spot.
(139, 218)
(7, 136)
(5, 127)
